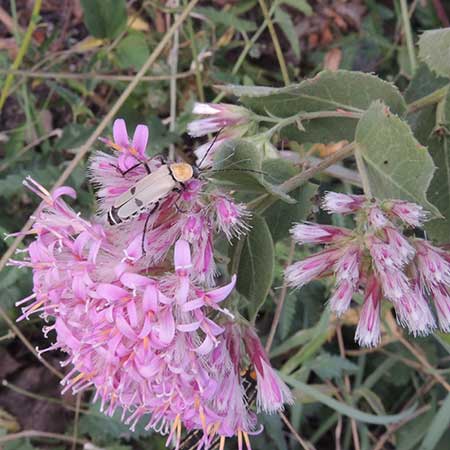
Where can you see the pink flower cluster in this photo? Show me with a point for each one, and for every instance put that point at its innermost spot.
(151, 337)
(378, 257)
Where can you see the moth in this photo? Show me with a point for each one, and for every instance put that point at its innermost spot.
(146, 194)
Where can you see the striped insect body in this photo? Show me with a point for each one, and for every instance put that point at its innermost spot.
(149, 191)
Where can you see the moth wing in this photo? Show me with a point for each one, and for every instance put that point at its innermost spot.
(144, 193)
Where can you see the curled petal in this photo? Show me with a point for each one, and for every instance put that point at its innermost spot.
(64, 190)
(140, 139)
(206, 346)
(120, 133)
(220, 294)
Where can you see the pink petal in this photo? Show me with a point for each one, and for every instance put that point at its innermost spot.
(183, 290)
(206, 346)
(150, 299)
(64, 190)
(120, 133)
(188, 327)
(219, 294)
(211, 327)
(125, 328)
(193, 304)
(182, 256)
(147, 327)
(166, 326)
(134, 280)
(140, 139)
(111, 292)
(132, 313)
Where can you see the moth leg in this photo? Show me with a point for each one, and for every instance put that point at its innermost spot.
(124, 172)
(145, 226)
(180, 192)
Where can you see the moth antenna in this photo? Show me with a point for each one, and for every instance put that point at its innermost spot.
(210, 147)
(237, 169)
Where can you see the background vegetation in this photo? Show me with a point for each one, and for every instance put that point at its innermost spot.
(67, 68)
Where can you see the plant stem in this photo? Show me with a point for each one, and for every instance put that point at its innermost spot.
(22, 51)
(408, 35)
(198, 75)
(264, 201)
(430, 99)
(363, 172)
(247, 48)
(281, 299)
(92, 75)
(275, 41)
(41, 434)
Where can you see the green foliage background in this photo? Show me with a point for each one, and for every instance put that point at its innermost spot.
(73, 70)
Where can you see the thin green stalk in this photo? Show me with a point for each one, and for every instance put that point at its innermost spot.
(247, 48)
(91, 75)
(430, 99)
(198, 75)
(275, 41)
(261, 203)
(408, 35)
(22, 51)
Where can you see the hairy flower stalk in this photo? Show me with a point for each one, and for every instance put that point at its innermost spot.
(380, 259)
(148, 331)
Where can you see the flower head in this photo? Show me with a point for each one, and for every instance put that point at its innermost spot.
(378, 257)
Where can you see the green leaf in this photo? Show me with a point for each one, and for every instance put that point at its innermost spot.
(227, 18)
(439, 190)
(104, 429)
(256, 265)
(434, 49)
(329, 366)
(238, 164)
(328, 91)
(312, 346)
(371, 398)
(409, 435)
(300, 5)
(133, 51)
(280, 216)
(284, 21)
(19, 444)
(424, 83)
(345, 409)
(104, 18)
(397, 165)
(438, 427)
(274, 430)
